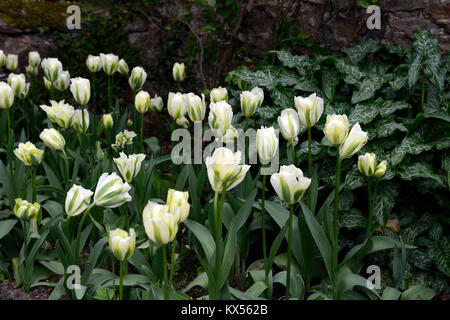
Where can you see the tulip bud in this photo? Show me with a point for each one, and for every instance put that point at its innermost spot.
(289, 124)
(178, 71)
(176, 105)
(220, 116)
(18, 83)
(53, 139)
(94, 63)
(230, 135)
(178, 203)
(355, 140)
(48, 84)
(309, 109)
(2, 58)
(12, 62)
(25, 210)
(224, 169)
(137, 78)
(380, 170)
(160, 225)
(63, 81)
(6, 96)
(130, 166)
(34, 59)
(123, 139)
(218, 94)
(142, 101)
(81, 90)
(79, 124)
(29, 154)
(60, 113)
(100, 153)
(122, 245)
(108, 121)
(32, 71)
(197, 107)
(129, 123)
(367, 164)
(156, 103)
(110, 63)
(336, 128)
(290, 184)
(242, 84)
(111, 191)
(52, 67)
(123, 67)
(266, 143)
(250, 100)
(78, 200)
(183, 122)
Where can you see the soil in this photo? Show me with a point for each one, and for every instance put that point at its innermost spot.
(8, 291)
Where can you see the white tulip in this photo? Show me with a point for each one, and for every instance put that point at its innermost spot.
(94, 63)
(290, 184)
(123, 139)
(142, 102)
(220, 117)
(197, 107)
(122, 244)
(34, 59)
(53, 139)
(110, 63)
(2, 58)
(160, 225)
(309, 109)
(12, 62)
(78, 200)
(123, 67)
(156, 103)
(176, 105)
(250, 100)
(178, 71)
(6, 96)
(108, 121)
(60, 113)
(367, 164)
(18, 83)
(218, 94)
(182, 122)
(32, 71)
(355, 140)
(29, 154)
(137, 78)
(230, 135)
(81, 90)
(224, 169)
(289, 124)
(336, 128)
(129, 166)
(380, 170)
(266, 143)
(63, 81)
(52, 67)
(25, 210)
(78, 124)
(178, 203)
(111, 191)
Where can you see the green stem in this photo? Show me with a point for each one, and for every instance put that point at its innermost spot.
(80, 227)
(263, 227)
(309, 166)
(66, 162)
(166, 295)
(218, 208)
(293, 151)
(33, 183)
(113, 274)
(142, 132)
(121, 281)
(9, 125)
(336, 227)
(94, 107)
(369, 223)
(109, 94)
(172, 262)
(288, 272)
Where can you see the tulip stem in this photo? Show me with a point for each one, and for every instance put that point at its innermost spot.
(309, 166)
(293, 151)
(113, 274)
(263, 228)
(336, 226)
(121, 281)
(94, 104)
(80, 227)
(142, 132)
(369, 223)
(165, 285)
(218, 209)
(288, 271)
(9, 125)
(172, 262)
(33, 183)
(66, 162)
(109, 94)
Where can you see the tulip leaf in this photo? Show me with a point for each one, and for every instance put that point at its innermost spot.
(418, 293)
(243, 295)
(6, 226)
(390, 293)
(228, 254)
(203, 235)
(93, 258)
(201, 280)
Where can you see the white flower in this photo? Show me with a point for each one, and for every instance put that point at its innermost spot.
(178, 203)
(18, 83)
(355, 140)
(2, 58)
(122, 244)
(110, 63)
(250, 100)
(178, 71)
(336, 128)
(220, 116)
(290, 184)
(78, 123)
(111, 191)
(52, 67)
(309, 109)
(12, 62)
(380, 170)
(25, 210)
(176, 105)
(266, 143)
(367, 164)
(224, 169)
(78, 200)
(156, 103)
(63, 81)
(183, 122)
(6, 96)
(137, 78)
(160, 225)
(60, 113)
(123, 67)
(289, 124)
(53, 139)
(108, 121)
(218, 94)
(81, 90)
(123, 139)
(29, 154)
(231, 135)
(130, 166)
(197, 107)
(142, 101)
(94, 63)
(34, 59)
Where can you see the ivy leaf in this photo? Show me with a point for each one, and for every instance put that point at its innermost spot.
(439, 251)
(367, 88)
(419, 170)
(330, 79)
(385, 197)
(364, 113)
(390, 106)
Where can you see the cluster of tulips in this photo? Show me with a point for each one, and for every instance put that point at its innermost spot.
(224, 167)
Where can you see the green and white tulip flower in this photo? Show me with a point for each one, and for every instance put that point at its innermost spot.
(78, 124)
(224, 169)
(60, 113)
(182, 122)
(108, 121)
(309, 109)
(6, 96)
(290, 184)
(367, 164)
(18, 84)
(161, 226)
(176, 105)
(380, 170)
(129, 166)
(29, 154)
(122, 243)
(289, 124)
(78, 199)
(219, 118)
(250, 100)
(178, 202)
(218, 94)
(111, 191)
(81, 90)
(266, 143)
(110, 63)
(12, 62)
(25, 210)
(94, 63)
(137, 78)
(355, 140)
(336, 128)
(178, 72)
(123, 139)
(32, 71)
(123, 67)
(63, 81)
(53, 139)
(34, 59)
(156, 103)
(197, 107)
(142, 102)
(48, 84)
(2, 58)
(230, 135)
(52, 67)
